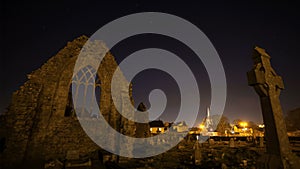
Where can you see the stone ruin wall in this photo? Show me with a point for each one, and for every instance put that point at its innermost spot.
(35, 127)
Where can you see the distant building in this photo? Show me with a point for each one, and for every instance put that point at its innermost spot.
(294, 133)
(168, 125)
(180, 127)
(242, 130)
(157, 127)
(207, 123)
(259, 131)
(195, 130)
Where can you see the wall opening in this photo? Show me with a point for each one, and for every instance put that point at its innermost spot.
(86, 90)
(69, 111)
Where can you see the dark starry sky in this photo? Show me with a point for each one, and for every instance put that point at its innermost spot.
(33, 32)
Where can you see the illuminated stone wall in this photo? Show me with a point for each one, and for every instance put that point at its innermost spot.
(35, 127)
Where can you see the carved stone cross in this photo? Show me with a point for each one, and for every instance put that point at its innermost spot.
(268, 86)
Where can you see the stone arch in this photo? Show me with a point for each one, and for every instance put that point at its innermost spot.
(85, 86)
(37, 111)
(65, 81)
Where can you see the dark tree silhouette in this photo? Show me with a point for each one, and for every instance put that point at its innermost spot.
(292, 120)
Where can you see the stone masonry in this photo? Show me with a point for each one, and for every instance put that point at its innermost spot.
(35, 127)
(268, 86)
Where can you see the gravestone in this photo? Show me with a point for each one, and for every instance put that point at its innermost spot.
(197, 155)
(231, 143)
(268, 86)
(72, 155)
(54, 164)
(261, 142)
(142, 129)
(74, 160)
(211, 142)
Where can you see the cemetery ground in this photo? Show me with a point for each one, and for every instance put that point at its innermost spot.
(215, 153)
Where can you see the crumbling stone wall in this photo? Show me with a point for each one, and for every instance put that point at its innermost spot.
(35, 127)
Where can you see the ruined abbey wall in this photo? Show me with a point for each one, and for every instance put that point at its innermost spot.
(35, 126)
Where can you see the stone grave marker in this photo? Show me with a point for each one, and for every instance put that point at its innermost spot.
(197, 153)
(268, 86)
(231, 143)
(211, 142)
(72, 155)
(261, 142)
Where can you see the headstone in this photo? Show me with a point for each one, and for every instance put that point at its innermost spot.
(268, 86)
(106, 158)
(197, 155)
(254, 139)
(189, 139)
(73, 160)
(244, 163)
(261, 142)
(54, 164)
(142, 129)
(72, 155)
(224, 166)
(211, 141)
(231, 143)
(180, 147)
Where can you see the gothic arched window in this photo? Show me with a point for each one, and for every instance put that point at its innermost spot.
(85, 88)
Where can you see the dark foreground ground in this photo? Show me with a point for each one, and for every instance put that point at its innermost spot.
(218, 154)
(214, 154)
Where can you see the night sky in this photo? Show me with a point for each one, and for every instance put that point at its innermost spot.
(31, 33)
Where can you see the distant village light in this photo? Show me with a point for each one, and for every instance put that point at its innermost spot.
(201, 126)
(244, 124)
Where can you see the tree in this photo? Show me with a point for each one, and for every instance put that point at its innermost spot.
(221, 123)
(252, 125)
(292, 120)
(237, 121)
